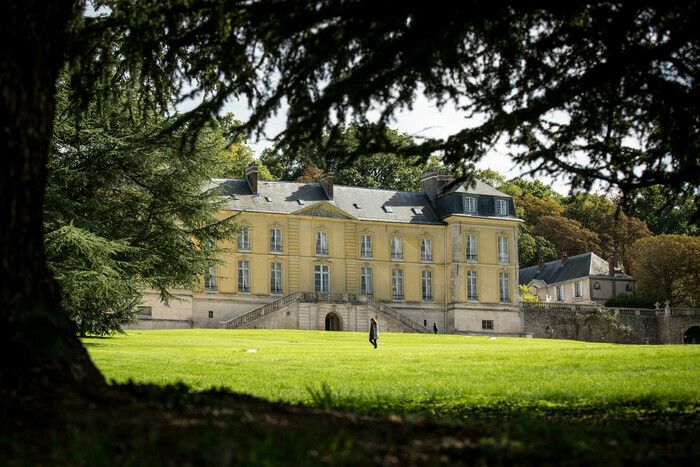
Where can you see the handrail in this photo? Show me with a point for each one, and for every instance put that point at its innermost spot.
(260, 311)
(387, 310)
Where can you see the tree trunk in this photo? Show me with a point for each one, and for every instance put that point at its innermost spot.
(37, 339)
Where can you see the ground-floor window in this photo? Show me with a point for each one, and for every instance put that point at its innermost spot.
(243, 276)
(366, 281)
(427, 286)
(276, 278)
(472, 293)
(210, 278)
(504, 287)
(322, 278)
(560, 293)
(397, 284)
(577, 289)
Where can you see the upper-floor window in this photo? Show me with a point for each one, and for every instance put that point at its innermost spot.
(427, 286)
(560, 293)
(397, 284)
(501, 207)
(366, 281)
(322, 278)
(426, 250)
(276, 278)
(244, 239)
(275, 241)
(396, 248)
(243, 276)
(210, 278)
(472, 291)
(321, 244)
(577, 289)
(503, 255)
(366, 246)
(504, 287)
(469, 204)
(471, 247)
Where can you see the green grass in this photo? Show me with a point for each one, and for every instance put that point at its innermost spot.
(409, 373)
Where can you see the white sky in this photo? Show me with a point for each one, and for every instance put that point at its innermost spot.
(426, 120)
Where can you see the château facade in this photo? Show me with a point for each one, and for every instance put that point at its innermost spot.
(319, 256)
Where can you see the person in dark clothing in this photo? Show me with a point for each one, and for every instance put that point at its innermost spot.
(435, 328)
(373, 332)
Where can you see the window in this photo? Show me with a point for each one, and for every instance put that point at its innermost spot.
(577, 289)
(501, 207)
(472, 291)
(144, 310)
(397, 284)
(427, 286)
(275, 241)
(321, 244)
(471, 247)
(504, 287)
(503, 250)
(426, 250)
(243, 276)
(366, 246)
(211, 314)
(487, 324)
(276, 278)
(417, 211)
(388, 209)
(560, 293)
(396, 248)
(469, 204)
(244, 239)
(322, 278)
(210, 278)
(366, 281)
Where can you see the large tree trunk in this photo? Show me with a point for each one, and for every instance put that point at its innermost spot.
(37, 340)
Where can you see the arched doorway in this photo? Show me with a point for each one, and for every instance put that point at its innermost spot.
(692, 335)
(333, 322)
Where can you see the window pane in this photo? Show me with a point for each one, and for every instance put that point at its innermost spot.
(471, 247)
(426, 250)
(427, 285)
(397, 284)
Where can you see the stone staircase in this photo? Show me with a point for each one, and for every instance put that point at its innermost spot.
(321, 297)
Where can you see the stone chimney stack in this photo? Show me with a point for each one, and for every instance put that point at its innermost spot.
(429, 184)
(251, 175)
(540, 264)
(326, 182)
(612, 264)
(564, 257)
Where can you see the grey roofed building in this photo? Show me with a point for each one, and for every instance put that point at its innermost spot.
(573, 267)
(360, 203)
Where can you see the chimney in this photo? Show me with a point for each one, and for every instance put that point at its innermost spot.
(429, 184)
(326, 182)
(564, 257)
(251, 175)
(612, 264)
(540, 264)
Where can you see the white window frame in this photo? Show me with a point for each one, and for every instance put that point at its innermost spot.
(366, 285)
(396, 248)
(397, 284)
(578, 289)
(427, 285)
(243, 276)
(503, 250)
(469, 205)
(471, 244)
(322, 278)
(321, 243)
(275, 240)
(243, 243)
(426, 250)
(501, 207)
(560, 293)
(210, 279)
(366, 246)
(276, 287)
(472, 286)
(504, 287)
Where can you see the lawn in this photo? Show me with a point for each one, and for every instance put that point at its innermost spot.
(448, 375)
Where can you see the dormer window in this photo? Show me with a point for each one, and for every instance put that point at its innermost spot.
(417, 211)
(268, 199)
(469, 205)
(357, 205)
(501, 207)
(388, 209)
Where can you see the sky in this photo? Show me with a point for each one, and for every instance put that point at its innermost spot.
(426, 120)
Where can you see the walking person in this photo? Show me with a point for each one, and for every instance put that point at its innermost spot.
(373, 332)
(435, 328)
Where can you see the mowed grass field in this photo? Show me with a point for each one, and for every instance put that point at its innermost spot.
(409, 373)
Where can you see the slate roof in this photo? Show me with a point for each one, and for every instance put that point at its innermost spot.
(583, 265)
(480, 188)
(284, 199)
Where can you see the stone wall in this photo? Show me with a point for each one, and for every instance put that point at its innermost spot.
(598, 324)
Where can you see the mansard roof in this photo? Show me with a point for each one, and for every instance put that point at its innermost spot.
(479, 188)
(575, 267)
(359, 203)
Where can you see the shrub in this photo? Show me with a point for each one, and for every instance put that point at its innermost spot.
(633, 300)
